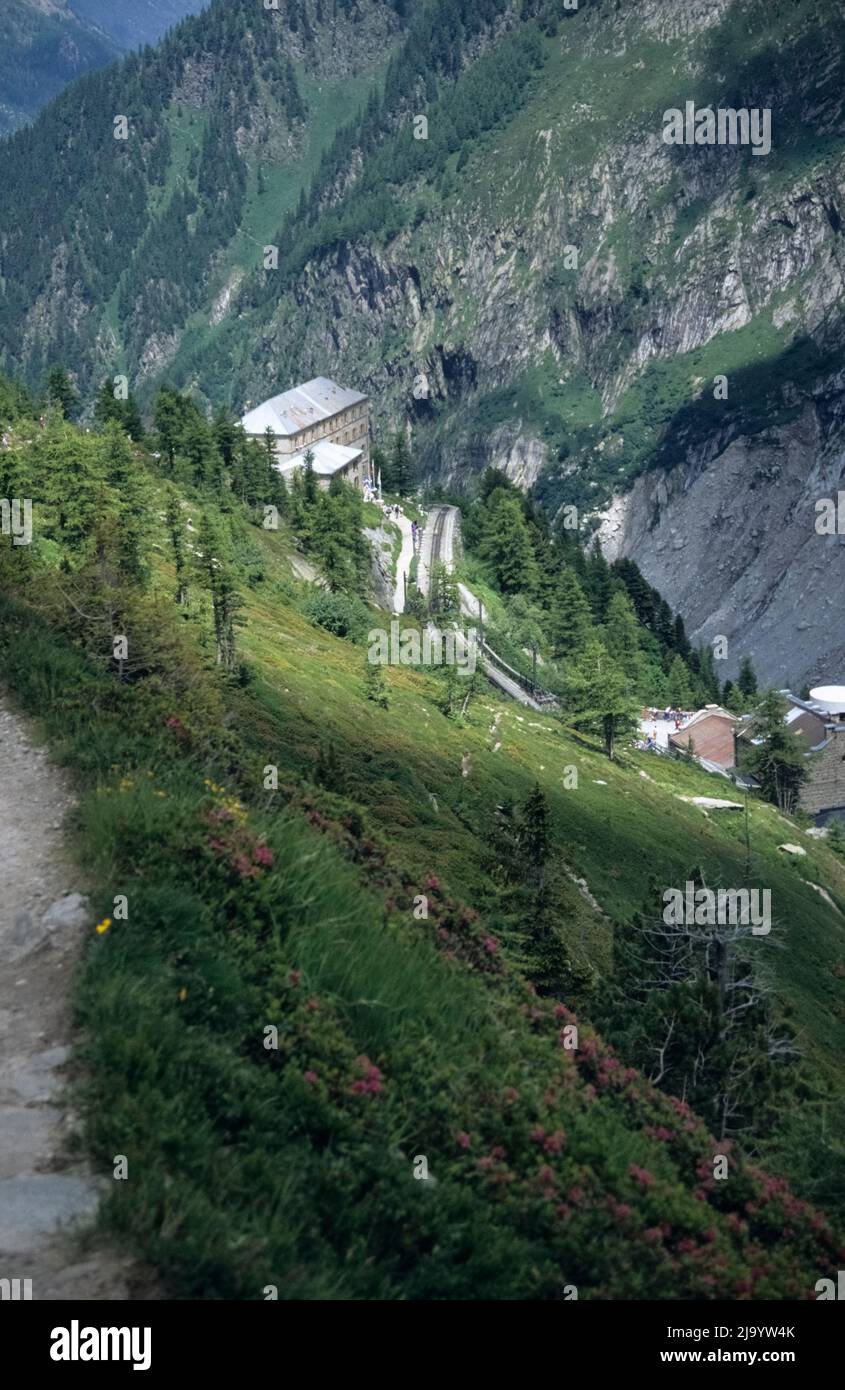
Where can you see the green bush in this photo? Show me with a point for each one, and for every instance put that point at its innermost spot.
(342, 614)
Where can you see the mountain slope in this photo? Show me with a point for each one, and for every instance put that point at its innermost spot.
(43, 46)
(439, 273)
(291, 907)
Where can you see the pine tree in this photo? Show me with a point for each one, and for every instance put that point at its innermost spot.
(270, 446)
(168, 416)
(381, 466)
(747, 680)
(685, 1005)
(125, 476)
(597, 583)
(680, 695)
(400, 464)
(506, 545)
(835, 838)
(226, 435)
(61, 392)
(571, 621)
(309, 480)
(107, 406)
(778, 761)
(218, 579)
(533, 836)
(132, 421)
(598, 696)
(622, 634)
(374, 686)
(444, 601)
(173, 522)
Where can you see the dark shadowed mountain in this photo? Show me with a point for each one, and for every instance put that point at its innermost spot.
(45, 44)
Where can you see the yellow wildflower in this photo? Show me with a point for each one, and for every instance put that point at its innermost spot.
(183, 994)
(102, 927)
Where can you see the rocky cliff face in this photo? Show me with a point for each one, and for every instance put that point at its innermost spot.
(651, 331)
(733, 539)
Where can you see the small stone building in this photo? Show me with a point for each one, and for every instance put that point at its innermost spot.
(330, 421)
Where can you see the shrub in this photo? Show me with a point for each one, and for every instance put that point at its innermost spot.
(337, 613)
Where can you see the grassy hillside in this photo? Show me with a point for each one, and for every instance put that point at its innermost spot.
(400, 1037)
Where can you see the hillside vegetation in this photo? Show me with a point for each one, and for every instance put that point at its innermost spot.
(295, 856)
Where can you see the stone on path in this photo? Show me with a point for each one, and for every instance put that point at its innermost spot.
(33, 1207)
(67, 913)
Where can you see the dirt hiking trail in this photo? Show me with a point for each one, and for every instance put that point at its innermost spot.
(48, 1195)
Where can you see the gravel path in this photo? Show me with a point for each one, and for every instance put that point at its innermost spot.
(46, 1195)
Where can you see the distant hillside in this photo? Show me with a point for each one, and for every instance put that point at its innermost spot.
(136, 22)
(45, 44)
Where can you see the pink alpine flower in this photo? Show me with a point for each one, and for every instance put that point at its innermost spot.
(554, 1142)
(463, 1139)
(371, 1082)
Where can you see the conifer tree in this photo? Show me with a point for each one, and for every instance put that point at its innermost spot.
(309, 480)
(218, 579)
(533, 836)
(598, 585)
(107, 406)
(374, 686)
(835, 838)
(778, 760)
(747, 680)
(61, 392)
(132, 421)
(126, 477)
(680, 694)
(444, 601)
(685, 1005)
(598, 696)
(173, 522)
(226, 435)
(571, 620)
(506, 545)
(400, 464)
(621, 634)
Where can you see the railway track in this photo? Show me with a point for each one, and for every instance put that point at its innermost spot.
(496, 669)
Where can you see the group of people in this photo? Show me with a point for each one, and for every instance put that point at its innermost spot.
(669, 715)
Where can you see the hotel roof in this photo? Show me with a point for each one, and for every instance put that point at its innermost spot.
(328, 458)
(301, 407)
